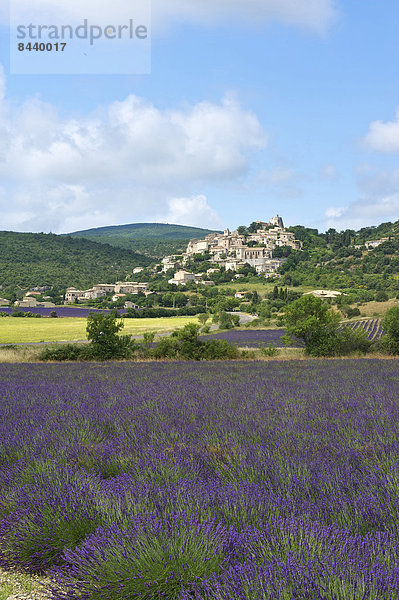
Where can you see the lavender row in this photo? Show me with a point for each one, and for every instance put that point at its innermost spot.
(252, 338)
(202, 481)
(371, 326)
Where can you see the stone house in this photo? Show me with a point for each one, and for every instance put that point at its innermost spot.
(181, 278)
(130, 287)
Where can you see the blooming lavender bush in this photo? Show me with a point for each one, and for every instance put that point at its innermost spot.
(200, 481)
(152, 558)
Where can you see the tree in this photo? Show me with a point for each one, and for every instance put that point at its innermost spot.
(381, 296)
(312, 320)
(390, 325)
(102, 332)
(190, 347)
(202, 318)
(253, 228)
(227, 321)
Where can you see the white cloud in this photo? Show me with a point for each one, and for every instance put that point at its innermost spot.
(378, 202)
(123, 161)
(313, 14)
(132, 140)
(193, 210)
(364, 212)
(335, 213)
(384, 137)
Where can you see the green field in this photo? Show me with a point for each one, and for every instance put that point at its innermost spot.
(263, 287)
(17, 330)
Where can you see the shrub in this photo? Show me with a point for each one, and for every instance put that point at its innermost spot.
(390, 325)
(248, 354)
(254, 323)
(353, 340)
(53, 314)
(350, 312)
(381, 296)
(184, 343)
(269, 350)
(148, 337)
(219, 349)
(166, 348)
(64, 352)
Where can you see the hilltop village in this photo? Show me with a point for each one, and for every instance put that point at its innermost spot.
(233, 250)
(228, 250)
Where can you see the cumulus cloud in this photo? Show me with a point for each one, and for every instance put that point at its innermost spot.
(384, 137)
(193, 210)
(364, 212)
(120, 163)
(378, 201)
(313, 14)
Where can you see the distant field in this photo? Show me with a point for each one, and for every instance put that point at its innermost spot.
(263, 287)
(371, 309)
(371, 326)
(15, 330)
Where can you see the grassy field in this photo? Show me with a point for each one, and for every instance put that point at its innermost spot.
(16, 330)
(377, 309)
(262, 287)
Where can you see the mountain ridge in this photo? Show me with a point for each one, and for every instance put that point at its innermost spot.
(154, 240)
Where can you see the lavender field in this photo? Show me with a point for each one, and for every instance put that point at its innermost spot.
(255, 338)
(371, 326)
(251, 338)
(200, 481)
(62, 311)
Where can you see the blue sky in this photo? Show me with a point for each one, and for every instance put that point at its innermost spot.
(289, 109)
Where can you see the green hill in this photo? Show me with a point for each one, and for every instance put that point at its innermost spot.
(152, 239)
(332, 260)
(39, 259)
